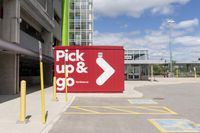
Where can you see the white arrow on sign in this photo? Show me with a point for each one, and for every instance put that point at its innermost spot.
(108, 71)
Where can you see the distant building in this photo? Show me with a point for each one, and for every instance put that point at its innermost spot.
(135, 70)
(81, 22)
(187, 68)
(23, 23)
(137, 64)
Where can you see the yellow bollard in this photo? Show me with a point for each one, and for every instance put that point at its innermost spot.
(22, 101)
(54, 90)
(195, 73)
(42, 93)
(152, 72)
(177, 74)
(198, 125)
(66, 89)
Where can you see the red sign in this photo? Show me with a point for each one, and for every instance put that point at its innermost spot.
(89, 68)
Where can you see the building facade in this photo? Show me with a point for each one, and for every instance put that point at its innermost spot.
(138, 65)
(81, 22)
(23, 24)
(187, 69)
(135, 68)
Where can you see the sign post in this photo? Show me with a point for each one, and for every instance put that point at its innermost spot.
(66, 76)
(152, 72)
(177, 73)
(42, 84)
(54, 98)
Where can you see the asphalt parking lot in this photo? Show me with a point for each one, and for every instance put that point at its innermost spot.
(164, 108)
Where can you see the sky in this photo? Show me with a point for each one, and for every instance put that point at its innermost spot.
(151, 25)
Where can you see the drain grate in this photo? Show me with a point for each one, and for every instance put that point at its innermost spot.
(158, 98)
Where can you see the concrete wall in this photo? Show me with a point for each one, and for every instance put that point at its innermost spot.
(31, 43)
(9, 63)
(11, 23)
(48, 42)
(50, 9)
(58, 11)
(34, 9)
(31, 80)
(57, 31)
(43, 22)
(8, 78)
(58, 7)
(28, 42)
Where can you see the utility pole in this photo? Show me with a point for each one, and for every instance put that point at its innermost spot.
(170, 22)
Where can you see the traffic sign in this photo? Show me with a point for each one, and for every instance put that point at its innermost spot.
(89, 68)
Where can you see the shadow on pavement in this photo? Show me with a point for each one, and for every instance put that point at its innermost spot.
(29, 90)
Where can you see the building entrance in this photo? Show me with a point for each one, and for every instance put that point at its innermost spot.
(136, 72)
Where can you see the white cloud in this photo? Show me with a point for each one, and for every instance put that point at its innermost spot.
(163, 10)
(134, 8)
(108, 38)
(187, 53)
(187, 24)
(183, 25)
(188, 40)
(121, 38)
(156, 41)
(131, 41)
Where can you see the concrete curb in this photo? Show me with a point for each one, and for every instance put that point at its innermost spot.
(50, 124)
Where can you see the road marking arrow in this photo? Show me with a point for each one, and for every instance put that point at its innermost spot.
(108, 71)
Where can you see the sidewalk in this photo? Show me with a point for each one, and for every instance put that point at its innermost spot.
(9, 111)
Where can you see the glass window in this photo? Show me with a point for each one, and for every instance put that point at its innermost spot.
(90, 6)
(83, 16)
(71, 25)
(71, 36)
(77, 26)
(84, 5)
(78, 39)
(84, 37)
(83, 25)
(78, 43)
(77, 36)
(72, 6)
(90, 26)
(136, 55)
(77, 18)
(77, 22)
(71, 16)
(142, 55)
(77, 5)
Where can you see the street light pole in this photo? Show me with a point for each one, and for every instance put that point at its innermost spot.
(170, 22)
